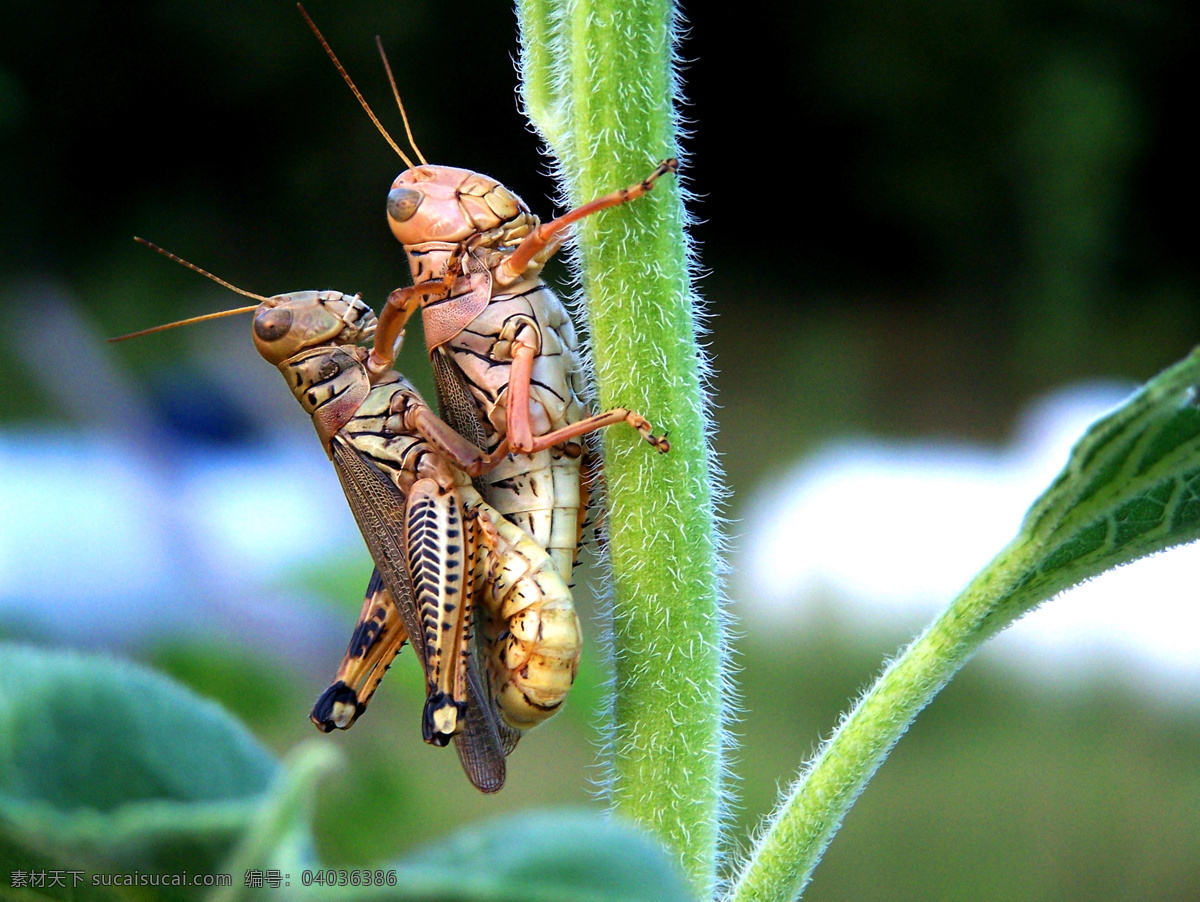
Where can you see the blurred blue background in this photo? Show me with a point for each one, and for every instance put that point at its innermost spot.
(938, 237)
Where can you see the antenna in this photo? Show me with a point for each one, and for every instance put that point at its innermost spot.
(203, 272)
(357, 93)
(399, 102)
(195, 319)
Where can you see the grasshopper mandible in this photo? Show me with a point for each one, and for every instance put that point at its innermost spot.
(505, 354)
(440, 550)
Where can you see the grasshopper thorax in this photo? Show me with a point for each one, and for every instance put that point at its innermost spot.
(286, 324)
(437, 208)
(330, 382)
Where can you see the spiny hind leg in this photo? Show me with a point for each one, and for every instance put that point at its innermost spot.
(376, 641)
(447, 706)
(440, 545)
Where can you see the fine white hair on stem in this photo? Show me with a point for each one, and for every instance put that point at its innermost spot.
(679, 667)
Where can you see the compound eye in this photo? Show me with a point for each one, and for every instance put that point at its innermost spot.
(403, 202)
(272, 324)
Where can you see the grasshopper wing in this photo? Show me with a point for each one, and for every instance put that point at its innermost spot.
(480, 748)
(486, 686)
(379, 508)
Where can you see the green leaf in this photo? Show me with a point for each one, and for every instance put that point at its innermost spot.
(107, 767)
(549, 856)
(1130, 488)
(577, 856)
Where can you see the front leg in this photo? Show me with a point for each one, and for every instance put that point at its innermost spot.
(542, 243)
(401, 304)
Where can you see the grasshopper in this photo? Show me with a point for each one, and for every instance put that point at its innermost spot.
(505, 354)
(440, 550)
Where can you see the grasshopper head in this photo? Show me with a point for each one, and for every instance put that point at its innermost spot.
(286, 324)
(441, 204)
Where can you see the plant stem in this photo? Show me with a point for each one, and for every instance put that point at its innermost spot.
(599, 83)
(811, 813)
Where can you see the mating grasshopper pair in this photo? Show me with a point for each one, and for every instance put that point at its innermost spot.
(451, 553)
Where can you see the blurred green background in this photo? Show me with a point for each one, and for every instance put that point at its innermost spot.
(914, 217)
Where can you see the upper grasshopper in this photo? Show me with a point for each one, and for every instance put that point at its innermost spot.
(505, 354)
(439, 549)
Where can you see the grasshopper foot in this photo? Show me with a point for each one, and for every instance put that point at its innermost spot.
(642, 425)
(337, 708)
(442, 719)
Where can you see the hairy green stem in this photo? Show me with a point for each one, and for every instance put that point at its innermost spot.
(599, 83)
(803, 825)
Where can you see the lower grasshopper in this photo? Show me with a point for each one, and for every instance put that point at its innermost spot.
(439, 549)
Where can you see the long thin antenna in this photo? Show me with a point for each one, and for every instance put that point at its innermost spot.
(353, 87)
(195, 319)
(399, 102)
(185, 322)
(204, 272)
